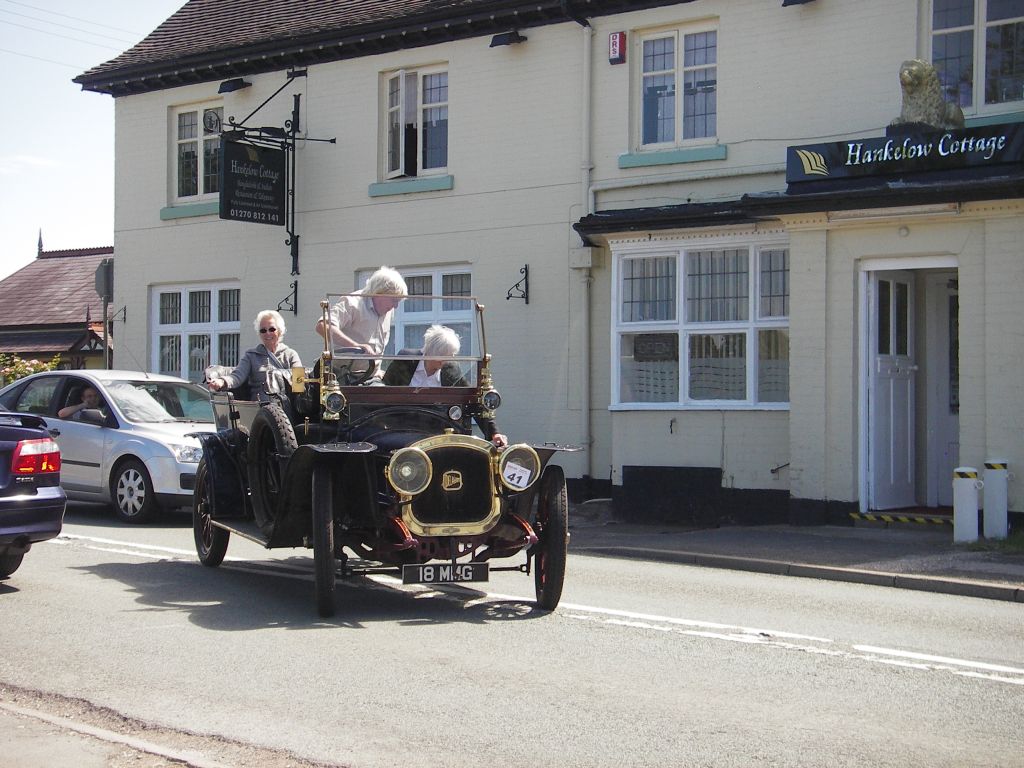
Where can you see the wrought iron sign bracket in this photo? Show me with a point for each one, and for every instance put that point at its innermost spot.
(286, 139)
(291, 301)
(521, 290)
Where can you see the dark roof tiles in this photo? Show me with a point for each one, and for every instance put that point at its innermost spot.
(45, 342)
(206, 40)
(203, 26)
(57, 288)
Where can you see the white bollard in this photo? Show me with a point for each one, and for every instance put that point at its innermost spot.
(996, 481)
(965, 504)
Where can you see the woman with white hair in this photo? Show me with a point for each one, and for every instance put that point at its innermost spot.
(270, 357)
(439, 341)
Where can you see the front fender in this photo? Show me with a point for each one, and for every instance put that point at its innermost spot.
(524, 501)
(293, 518)
(229, 491)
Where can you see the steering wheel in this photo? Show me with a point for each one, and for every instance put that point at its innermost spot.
(353, 371)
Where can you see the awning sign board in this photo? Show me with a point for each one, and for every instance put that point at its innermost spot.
(906, 153)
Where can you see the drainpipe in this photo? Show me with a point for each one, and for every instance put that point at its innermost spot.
(586, 278)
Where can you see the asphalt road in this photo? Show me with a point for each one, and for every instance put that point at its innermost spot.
(642, 664)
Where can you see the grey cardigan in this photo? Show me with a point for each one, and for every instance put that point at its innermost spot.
(256, 363)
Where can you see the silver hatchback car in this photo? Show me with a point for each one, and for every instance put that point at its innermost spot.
(128, 443)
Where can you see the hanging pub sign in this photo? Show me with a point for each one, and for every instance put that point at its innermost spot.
(252, 183)
(906, 153)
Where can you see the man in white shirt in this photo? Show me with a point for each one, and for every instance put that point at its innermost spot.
(362, 320)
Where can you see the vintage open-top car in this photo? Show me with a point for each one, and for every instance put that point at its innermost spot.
(375, 477)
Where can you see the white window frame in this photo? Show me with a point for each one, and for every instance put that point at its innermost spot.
(409, 109)
(685, 329)
(203, 135)
(978, 30)
(214, 328)
(678, 35)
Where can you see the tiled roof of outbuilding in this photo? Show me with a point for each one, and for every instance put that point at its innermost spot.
(46, 342)
(215, 39)
(55, 289)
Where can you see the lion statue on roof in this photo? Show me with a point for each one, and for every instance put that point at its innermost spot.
(922, 98)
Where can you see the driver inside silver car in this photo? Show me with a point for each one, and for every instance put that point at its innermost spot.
(90, 399)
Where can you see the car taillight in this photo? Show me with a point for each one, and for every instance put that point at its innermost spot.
(35, 457)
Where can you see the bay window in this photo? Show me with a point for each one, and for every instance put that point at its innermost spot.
(702, 327)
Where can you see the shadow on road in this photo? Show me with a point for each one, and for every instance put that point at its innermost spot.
(99, 514)
(244, 595)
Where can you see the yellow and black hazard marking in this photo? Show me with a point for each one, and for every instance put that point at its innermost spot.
(903, 518)
(994, 465)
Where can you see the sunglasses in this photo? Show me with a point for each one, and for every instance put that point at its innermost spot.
(271, 329)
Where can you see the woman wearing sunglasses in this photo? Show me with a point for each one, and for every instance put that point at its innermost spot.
(265, 367)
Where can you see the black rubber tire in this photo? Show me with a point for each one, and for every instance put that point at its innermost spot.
(9, 564)
(211, 541)
(552, 548)
(271, 444)
(323, 544)
(131, 491)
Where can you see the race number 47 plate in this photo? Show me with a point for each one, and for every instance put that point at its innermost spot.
(444, 573)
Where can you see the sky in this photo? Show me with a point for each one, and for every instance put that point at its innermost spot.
(56, 140)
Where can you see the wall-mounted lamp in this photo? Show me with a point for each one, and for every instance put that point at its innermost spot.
(507, 38)
(234, 84)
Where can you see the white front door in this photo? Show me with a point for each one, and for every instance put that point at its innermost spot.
(942, 386)
(891, 390)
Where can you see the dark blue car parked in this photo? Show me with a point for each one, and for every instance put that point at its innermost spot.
(31, 500)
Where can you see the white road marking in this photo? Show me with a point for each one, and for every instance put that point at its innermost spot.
(134, 545)
(609, 616)
(939, 659)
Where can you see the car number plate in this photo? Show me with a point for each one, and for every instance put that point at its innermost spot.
(444, 573)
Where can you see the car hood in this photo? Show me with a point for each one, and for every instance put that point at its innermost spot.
(173, 431)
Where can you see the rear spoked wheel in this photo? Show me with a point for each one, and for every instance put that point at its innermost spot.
(552, 548)
(271, 444)
(211, 541)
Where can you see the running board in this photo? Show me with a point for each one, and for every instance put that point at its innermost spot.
(246, 530)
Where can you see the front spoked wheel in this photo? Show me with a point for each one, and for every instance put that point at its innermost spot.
(323, 543)
(552, 548)
(211, 541)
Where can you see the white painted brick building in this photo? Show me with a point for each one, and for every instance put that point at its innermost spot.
(659, 340)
